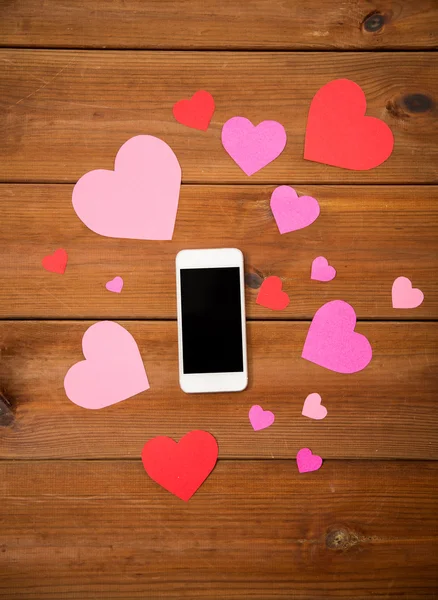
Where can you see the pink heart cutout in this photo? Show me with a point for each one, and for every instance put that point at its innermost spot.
(115, 285)
(139, 199)
(259, 418)
(321, 270)
(307, 462)
(332, 342)
(112, 370)
(292, 212)
(313, 408)
(252, 147)
(404, 295)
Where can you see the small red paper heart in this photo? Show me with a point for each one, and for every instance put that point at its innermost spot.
(180, 468)
(339, 134)
(56, 262)
(271, 295)
(195, 112)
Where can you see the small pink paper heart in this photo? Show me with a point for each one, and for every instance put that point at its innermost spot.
(313, 408)
(331, 341)
(112, 370)
(136, 201)
(253, 147)
(404, 295)
(321, 270)
(307, 462)
(292, 212)
(259, 418)
(115, 285)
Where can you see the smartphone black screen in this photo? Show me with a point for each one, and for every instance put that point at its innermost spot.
(211, 320)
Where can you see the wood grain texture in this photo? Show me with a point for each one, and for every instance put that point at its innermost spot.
(100, 529)
(63, 113)
(201, 24)
(256, 529)
(371, 234)
(388, 410)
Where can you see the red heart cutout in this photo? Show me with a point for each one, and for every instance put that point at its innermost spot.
(339, 134)
(270, 294)
(56, 262)
(180, 468)
(196, 112)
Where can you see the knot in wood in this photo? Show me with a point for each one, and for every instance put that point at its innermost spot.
(253, 280)
(417, 103)
(340, 539)
(373, 22)
(6, 414)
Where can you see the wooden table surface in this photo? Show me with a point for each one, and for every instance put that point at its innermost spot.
(80, 519)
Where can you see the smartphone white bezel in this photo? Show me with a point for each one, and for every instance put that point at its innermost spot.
(211, 382)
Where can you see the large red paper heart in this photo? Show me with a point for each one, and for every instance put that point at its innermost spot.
(180, 468)
(339, 134)
(56, 262)
(271, 295)
(196, 112)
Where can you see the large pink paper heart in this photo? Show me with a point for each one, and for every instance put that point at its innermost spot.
(292, 212)
(139, 199)
(332, 342)
(404, 295)
(112, 370)
(259, 418)
(321, 270)
(252, 147)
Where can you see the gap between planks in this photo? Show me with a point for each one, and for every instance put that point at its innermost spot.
(218, 49)
(244, 183)
(220, 459)
(396, 321)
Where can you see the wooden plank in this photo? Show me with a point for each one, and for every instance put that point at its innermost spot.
(200, 24)
(256, 529)
(371, 235)
(388, 410)
(66, 112)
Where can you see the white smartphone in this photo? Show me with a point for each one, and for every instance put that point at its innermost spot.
(211, 320)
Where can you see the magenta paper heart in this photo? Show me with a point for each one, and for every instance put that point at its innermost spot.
(307, 462)
(252, 147)
(292, 212)
(313, 408)
(115, 285)
(404, 295)
(332, 342)
(259, 418)
(139, 199)
(112, 370)
(321, 270)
